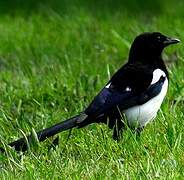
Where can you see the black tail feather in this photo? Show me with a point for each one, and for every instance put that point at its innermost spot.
(21, 144)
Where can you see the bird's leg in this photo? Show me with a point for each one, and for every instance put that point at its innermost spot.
(138, 131)
(118, 127)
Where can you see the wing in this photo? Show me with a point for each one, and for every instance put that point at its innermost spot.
(130, 86)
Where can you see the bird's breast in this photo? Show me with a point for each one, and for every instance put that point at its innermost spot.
(140, 115)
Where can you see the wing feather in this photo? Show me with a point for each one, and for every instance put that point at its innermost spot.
(137, 78)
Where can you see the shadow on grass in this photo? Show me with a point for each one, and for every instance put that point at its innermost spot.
(27, 7)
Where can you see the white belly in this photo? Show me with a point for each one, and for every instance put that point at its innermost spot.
(142, 114)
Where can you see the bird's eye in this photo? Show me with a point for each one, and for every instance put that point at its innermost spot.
(159, 38)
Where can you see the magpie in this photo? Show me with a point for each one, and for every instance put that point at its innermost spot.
(134, 93)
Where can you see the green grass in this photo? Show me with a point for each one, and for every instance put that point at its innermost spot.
(54, 58)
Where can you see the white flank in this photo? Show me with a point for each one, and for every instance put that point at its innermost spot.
(142, 114)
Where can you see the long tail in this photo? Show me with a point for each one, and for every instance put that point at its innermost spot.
(21, 144)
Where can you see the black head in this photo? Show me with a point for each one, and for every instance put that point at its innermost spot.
(147, 47)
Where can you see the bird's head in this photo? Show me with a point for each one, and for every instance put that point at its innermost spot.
(149, 46)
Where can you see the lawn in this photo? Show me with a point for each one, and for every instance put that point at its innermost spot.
(54, 58)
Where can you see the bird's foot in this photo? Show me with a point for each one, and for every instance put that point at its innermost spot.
(138, 132)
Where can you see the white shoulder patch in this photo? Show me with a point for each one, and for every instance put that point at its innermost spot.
(157, 73)
(128, 89)
(108, 85)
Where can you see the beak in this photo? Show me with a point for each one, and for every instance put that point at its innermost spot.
(169, 41)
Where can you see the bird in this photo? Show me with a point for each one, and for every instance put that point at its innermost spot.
(133, 94)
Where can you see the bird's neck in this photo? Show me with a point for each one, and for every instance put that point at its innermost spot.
(155, 62)
(161, 65)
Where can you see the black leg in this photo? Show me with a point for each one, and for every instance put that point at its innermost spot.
(138, 131)
(118, 127)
